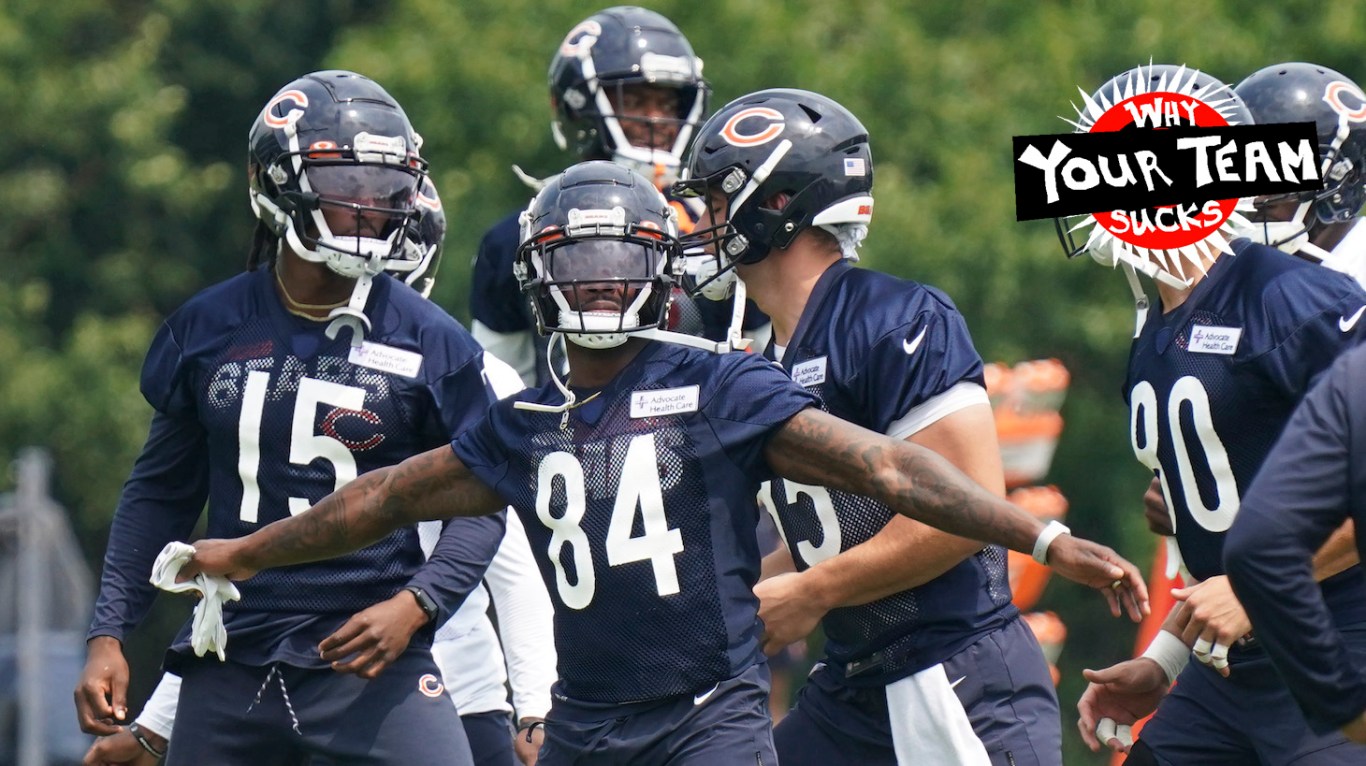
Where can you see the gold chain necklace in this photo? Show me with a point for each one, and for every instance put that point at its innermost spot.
(293, 306)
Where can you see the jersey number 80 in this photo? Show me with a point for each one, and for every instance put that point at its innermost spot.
(1143, 411)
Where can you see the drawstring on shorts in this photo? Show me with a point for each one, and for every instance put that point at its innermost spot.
(275, 673)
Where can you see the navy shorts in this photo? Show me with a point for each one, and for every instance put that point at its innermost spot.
(1248, 718)
(993, 702)
(244, 715)
(727, 725)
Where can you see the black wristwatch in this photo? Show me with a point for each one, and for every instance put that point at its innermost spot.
(429, 607)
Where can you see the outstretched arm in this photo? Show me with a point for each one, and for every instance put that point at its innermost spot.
(432, 485)
(814, 447)
(817, 448)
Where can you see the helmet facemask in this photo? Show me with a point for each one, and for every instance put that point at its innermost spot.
(592, 78)
(660, 164)
(598, 279)
(423, 243)
(1298, 91)
(348, 208)
(1337, 202)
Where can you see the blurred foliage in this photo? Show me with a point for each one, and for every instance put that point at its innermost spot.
(121, 177)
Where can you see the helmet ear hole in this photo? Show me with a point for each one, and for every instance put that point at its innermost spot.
(778, 202)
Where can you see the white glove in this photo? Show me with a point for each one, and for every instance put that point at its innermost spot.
(207, 632)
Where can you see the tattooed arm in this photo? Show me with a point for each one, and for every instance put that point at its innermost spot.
(432, 485)
(814, 447)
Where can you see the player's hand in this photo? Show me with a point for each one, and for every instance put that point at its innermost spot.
(374, 637)
(1101, 568)
(788, 613)
(1355, 730)
(1155, 510)
(527, 744)
(102, 693)
(118, 749)
(216, 557)
(1117, 698)
(1212, 621)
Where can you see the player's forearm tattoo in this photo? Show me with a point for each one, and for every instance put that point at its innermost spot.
(432, 485)
(821, 449)
(334, 526)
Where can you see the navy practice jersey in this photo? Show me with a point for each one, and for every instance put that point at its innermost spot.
(496, 300)
(1313, 481)
(872, 347)
(1211, 384)
(641, 514)
(263, 415)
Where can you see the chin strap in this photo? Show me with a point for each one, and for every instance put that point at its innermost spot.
(1314, 251)
(733, 341)
(737, 317)
(570, 399)
(1140, 298)
(352, 315)
(693, 341)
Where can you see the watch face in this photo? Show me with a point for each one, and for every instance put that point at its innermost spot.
(424, 601)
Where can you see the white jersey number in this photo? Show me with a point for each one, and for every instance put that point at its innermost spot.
(305, 445)
(638, 489)
(831, 538)
(1143, 410)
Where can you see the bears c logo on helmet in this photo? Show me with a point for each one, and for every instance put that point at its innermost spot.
(771, 120)
(1353, 108)
(580, 39)
(427, 198)
(292, 116)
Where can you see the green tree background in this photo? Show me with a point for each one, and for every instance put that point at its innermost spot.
(122, 181)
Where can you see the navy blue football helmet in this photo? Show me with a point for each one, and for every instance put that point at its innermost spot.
(602, 56)
(795, 146)
(598, 253)
(1300, 92)
(423, 245)
(334, 171)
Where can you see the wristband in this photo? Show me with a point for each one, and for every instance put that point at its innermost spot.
(530, 727)
(1169, 652)
(142, 740)
(1050, 532)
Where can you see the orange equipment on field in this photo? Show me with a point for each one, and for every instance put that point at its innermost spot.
(1025, 401)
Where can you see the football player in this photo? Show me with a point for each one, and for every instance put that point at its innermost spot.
(476, 662)
(625, 86)
(1216, 367)
(636, 480)
(1309, 485)
(273, 389)
(1320, 225)
(926, 659)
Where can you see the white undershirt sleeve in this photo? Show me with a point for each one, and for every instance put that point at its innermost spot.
(525, 621)
(158, 715)
(961, 395)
